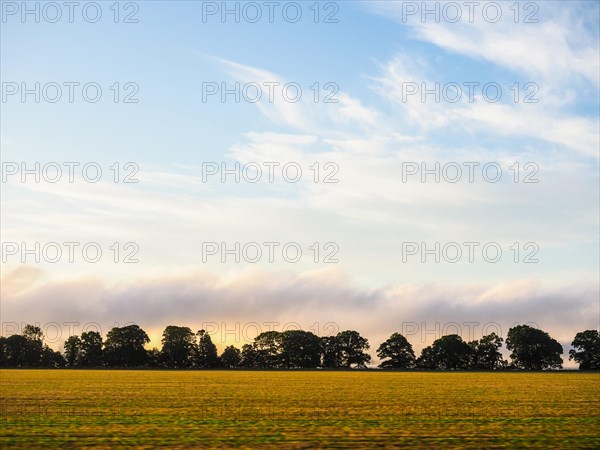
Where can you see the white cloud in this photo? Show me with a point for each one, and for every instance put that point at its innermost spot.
(533, 120)
(577, 133)
(558, 49)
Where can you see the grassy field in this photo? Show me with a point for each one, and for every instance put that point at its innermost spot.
(77, 408)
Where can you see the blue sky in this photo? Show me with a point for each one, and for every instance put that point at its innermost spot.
(370, 55)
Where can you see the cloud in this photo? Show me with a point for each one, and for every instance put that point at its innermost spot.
(325, 300)
(272, 103)
(558, 46)
(560, 54)
(336, 110)
(369, 212)
(482, 117)
(577, 133)
(20, 279)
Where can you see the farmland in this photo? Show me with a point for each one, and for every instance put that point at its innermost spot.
(298, 409)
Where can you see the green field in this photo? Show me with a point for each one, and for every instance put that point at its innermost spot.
(185, 409)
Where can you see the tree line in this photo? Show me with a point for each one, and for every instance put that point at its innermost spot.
(531, 349)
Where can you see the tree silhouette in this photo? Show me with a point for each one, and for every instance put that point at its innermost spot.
(231, 358)
(28, 350)
(90, 349)
(206, 351)
(51, 358)
(34, 346)
(72, 347)
(125, 347)
(300, 349)
(178, 347)
(331, 354)
(267, 346)
(586, 350)
(155, 358)
(533, 349)
(14, 350)
(249, 356)
(353, 349)
(428, 359)
(447, 353)
(485, 354)
(396, 353)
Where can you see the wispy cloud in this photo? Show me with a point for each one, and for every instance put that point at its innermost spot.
(559, 47)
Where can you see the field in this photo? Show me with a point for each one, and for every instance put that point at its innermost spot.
(102, 408)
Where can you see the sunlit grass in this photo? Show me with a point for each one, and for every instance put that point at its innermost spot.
(78, 408)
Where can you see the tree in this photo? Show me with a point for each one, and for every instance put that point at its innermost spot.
(51, 358)
(586, 350)
(353, 349)
(34, 346)
(72, 347)
(396, 352)
(485, 354)
(300, 349)
(206, 351)
(15, 351)
(267, 346)
(125, 347)
(428, 359)
(90, 349)
(32, 333)
(178, 347)
(533, 349)
(447, 353)
(249, 356)
(154, 357)
(28, 350)
(331, 354)
(2, 351)
(231, 358)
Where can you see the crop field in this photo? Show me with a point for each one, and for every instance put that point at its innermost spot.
(298, 409)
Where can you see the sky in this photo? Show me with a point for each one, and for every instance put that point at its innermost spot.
(429, 168)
